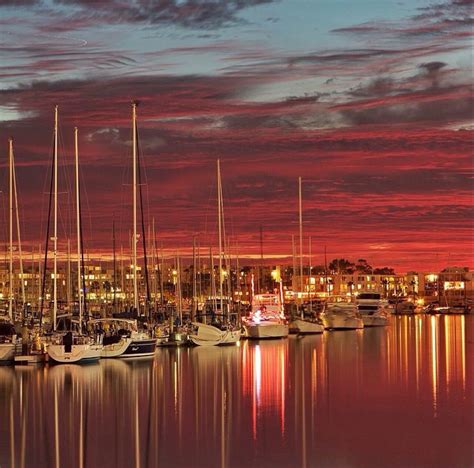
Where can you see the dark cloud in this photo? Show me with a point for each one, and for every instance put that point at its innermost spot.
(202, 14)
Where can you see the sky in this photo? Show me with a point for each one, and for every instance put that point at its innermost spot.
(370, 102)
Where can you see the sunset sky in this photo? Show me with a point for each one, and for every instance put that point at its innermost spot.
(370, 102)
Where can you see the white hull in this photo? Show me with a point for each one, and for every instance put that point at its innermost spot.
(79, 353)
(342, 322)
(208, 335)
(231, 337)
(7, 352)
(198, 342)
(37, 358)
(116, 349)
(374, 320)
(266, 330)
(306, 326)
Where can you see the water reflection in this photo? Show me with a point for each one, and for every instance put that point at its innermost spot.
(401, 394)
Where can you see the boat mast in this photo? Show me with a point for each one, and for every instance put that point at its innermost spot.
(194, 307)
(10, 272)
(134, 238)
(293, 282)
(55, 228)
(179, 291)
(78, 228)
(114, 301)
(300, 206)
(18, 234)
(219, 217)
(309, 280)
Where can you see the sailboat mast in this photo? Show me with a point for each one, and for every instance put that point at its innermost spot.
(55, 220)
(310, 274)
(114, 302)
(219, 217)
(194, 308)
(300, 206)
(78, 228)
(18, 234)
(134, 239)
(10, 272)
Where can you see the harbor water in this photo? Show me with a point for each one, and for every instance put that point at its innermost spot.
(396, 396)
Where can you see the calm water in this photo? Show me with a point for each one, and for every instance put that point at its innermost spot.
(400, 396)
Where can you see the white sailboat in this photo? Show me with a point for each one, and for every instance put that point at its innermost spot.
(209, 335)
(304, 325)
(72, 346)
(8, 336)
(122, 338)
(8, 339)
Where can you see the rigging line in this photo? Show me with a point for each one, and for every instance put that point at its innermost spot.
(207, 236)
(147, 283)
(64, 219)
(83, 277)
(82, 179)
(44, 192)
(45, 264)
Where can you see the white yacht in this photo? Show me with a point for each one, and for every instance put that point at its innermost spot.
(341, 315)
(266, 319)
(373, 309)
(122, 339)
(8, 339)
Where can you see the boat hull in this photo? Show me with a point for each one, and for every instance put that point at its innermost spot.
(266, 331)
(80, 353)
(7, 352)
(374, 320)
(201, 342)
(231, 337)
(305, 327)
(139, 349)
(342, 323)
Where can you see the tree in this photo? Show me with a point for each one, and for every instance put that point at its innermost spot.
(341, 265)
(362, 266)
(384, 271)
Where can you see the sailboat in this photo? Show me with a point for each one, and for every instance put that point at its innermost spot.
(123, 339)
(8, 336)
(71, 346)
(210, 335)
(302, 324)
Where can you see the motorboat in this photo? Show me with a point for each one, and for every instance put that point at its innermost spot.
(122, 339)
(266, 319)
(8, 339)
(373, 309)
(210, 335)
(341, 315)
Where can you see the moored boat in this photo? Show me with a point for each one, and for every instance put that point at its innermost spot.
(74, 348)
(373, 309)
(122, 339)
(8, 338)
(266, 319)
(341, 316)
(306, 326)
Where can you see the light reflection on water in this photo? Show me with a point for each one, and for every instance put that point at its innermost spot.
(395, 396)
